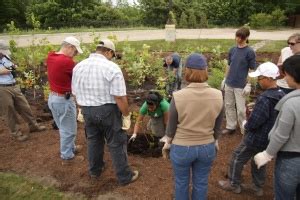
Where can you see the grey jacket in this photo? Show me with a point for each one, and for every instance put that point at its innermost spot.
(285, 134)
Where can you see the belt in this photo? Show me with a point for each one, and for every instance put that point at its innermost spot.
(7, 85)
(57, 94)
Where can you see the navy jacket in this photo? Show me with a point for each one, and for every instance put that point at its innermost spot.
(262, 119)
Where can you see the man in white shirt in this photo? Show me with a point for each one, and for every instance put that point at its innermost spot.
(99, 87)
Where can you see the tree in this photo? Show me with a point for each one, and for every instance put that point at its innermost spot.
(192, 22)
(183, 23)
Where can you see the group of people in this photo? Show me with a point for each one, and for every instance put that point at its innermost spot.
(189, 125)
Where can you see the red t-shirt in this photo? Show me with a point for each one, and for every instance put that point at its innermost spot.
(60, 68)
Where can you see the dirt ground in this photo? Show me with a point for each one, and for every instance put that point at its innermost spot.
(38, 158)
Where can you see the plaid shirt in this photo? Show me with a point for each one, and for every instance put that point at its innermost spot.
(96, 81)
(262, 118)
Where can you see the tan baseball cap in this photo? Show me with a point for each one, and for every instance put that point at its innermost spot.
(107, 44)
(4, 48)
(73, 41)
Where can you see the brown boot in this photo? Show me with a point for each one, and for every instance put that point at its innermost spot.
(36, 128)
(78, 149)
(20, 136)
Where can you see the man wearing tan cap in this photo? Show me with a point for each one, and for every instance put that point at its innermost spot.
(100, 90)
(11, 98)
(62, 105)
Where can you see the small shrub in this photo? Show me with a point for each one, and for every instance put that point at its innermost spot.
(183, 23)
(278, 18)
(192, 19)
(171, 18)
(261, 20)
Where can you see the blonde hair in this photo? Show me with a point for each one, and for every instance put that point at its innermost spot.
(195, 75)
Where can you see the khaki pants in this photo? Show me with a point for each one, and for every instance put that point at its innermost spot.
(12, 101)
(235, 107)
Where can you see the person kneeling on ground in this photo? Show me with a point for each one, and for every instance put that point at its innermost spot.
(257, 128)
(158, 109)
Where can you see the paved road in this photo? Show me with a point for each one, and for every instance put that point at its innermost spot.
(137, 35)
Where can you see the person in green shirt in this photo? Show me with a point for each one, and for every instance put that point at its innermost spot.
(157, 108)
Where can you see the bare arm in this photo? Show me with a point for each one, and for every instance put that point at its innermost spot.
(166, 118)
(122, 104)
(139, 120)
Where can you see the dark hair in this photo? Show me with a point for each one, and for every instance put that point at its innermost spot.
(291, 66)
(153, 98)
(103, 49)
(243, 33)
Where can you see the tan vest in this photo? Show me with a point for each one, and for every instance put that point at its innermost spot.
(198, 106)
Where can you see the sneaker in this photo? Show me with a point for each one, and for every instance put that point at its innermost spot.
(228, 131)
(36, 128)
(20, 136)
(74, 160)
(226, 185)
(135, 176)
(78, 149)
(258, 191)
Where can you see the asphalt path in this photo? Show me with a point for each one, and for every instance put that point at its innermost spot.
(139, 35)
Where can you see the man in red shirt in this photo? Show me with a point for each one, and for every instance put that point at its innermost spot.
(62, 105)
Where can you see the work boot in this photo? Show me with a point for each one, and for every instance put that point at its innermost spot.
(36, 128)
(258, 191)
(20, 136)
(74, 160)
(226, 185)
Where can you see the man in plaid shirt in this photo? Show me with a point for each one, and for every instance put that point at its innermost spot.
(257, 128)
(100, 90)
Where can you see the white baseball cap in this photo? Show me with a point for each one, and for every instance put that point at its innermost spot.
(266, 69)
(107, 44)
(4, 49)
(73, 41)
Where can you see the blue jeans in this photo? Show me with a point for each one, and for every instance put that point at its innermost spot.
(287, 177)
(104, 123)
(197, 160)
(64, 115)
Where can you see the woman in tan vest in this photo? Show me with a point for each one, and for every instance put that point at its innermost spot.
(195, 117)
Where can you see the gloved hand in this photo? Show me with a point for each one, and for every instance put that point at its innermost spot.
(166, 150)
(217, 145)
(223, 84)
(126, 122)
(166, 139)
(80, 116)
(246, 90)
(132, 138)
(262, 158)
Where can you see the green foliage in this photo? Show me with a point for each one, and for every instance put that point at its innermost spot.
(192, 22)
(183, 23)
(264, 20)
(203, 20)
(260, 20)
(171, 18)
(217, 67)
(278, 18)
(12, 29)
(140, 65)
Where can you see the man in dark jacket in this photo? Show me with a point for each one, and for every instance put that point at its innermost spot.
(257, 128)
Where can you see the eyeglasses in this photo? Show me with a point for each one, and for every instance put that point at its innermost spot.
(292, 43)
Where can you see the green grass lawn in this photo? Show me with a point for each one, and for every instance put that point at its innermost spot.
(14, 187)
